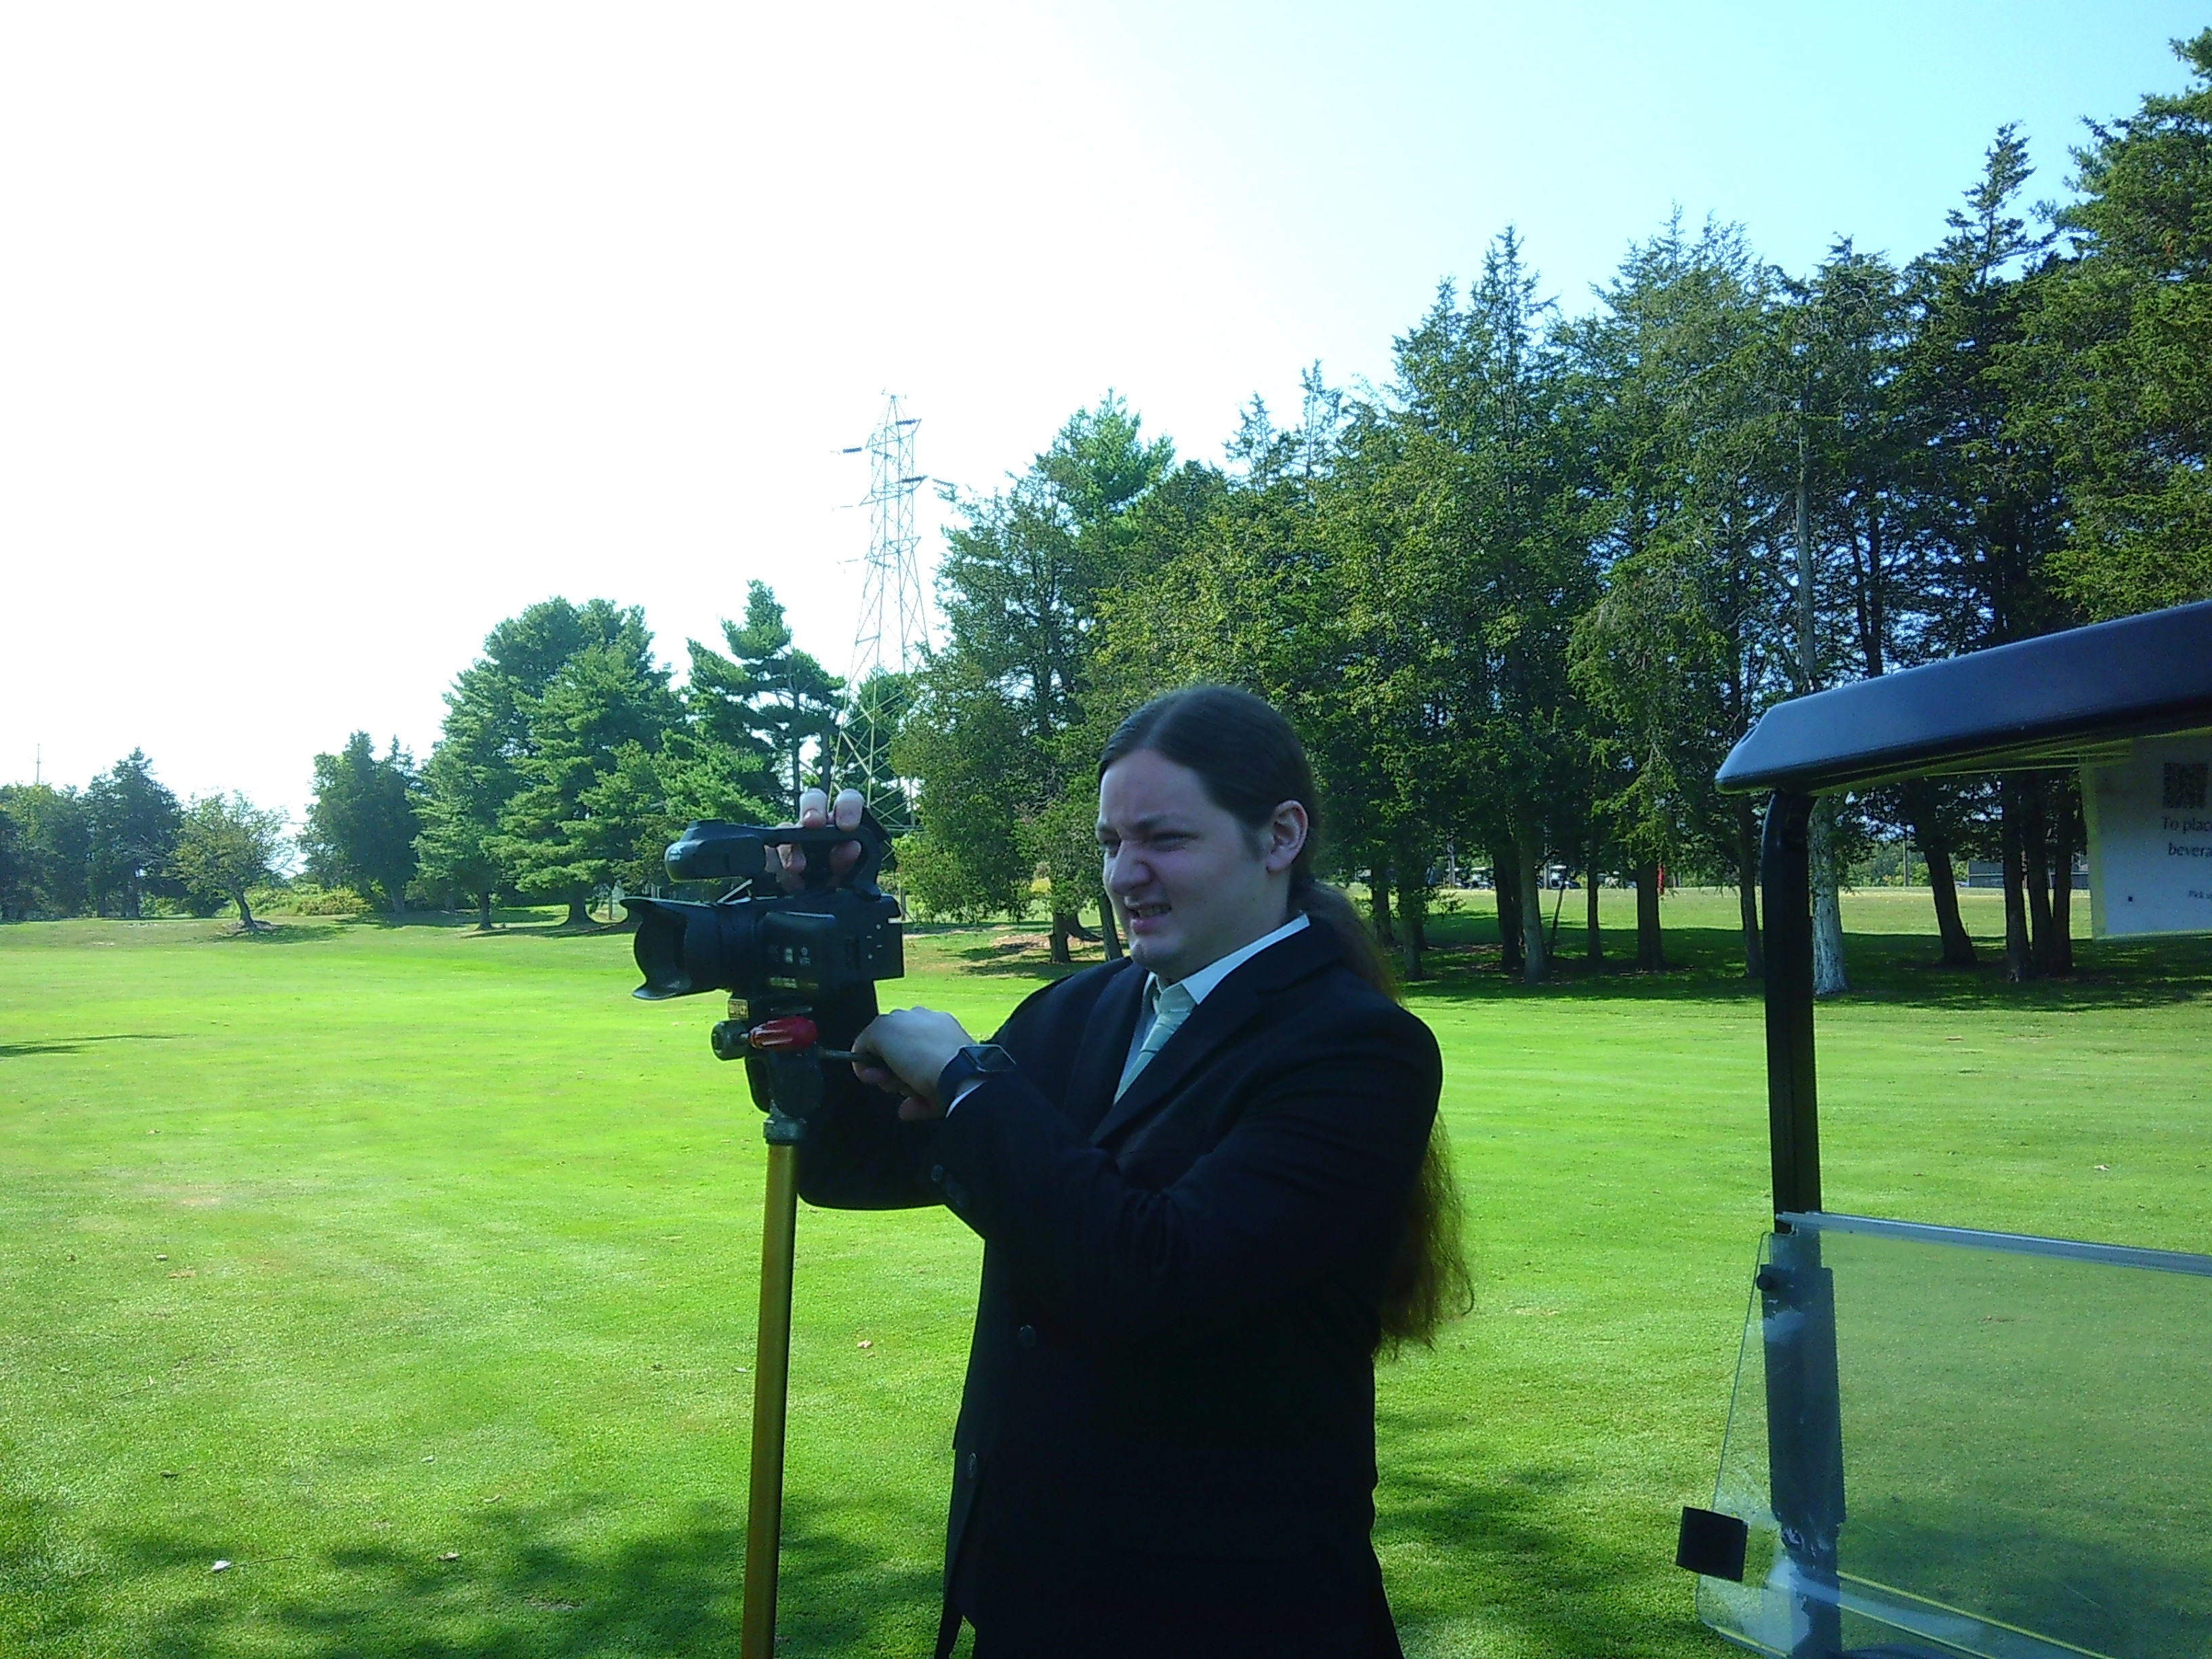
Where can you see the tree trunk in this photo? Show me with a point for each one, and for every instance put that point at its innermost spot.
(1505, 884)
(1108, 931)
(579, 911)
(1594, 945)
(245, 916)
(1378, 905)
(2035, 869)
(1412, 931)
(1829, 978)
(1747, 890)
(2019, 956)
(1532, 915)
(483, 913)
(2066, 829)
(1650, 945)
(1063, 924)
(1943, 885)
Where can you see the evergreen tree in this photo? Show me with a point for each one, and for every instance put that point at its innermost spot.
(1489, 444)
(53, 848)
(567, 831)
(475, 770)
(1992, 480)
(130, 828)
(361, 826)
(772, 706)
(968, 860)
(1686, 465)
(2117, 375)
(14, 869)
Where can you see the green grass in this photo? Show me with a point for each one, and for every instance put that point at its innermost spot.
(335, 1250)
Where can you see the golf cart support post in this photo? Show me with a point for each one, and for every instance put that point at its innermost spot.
(2057, 701)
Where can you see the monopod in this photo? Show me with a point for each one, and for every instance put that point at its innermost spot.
(793, 1065)
(779, 955)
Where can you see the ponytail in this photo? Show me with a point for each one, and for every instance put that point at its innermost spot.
(1328, 907)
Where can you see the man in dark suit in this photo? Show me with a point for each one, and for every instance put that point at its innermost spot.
(1193, 1172)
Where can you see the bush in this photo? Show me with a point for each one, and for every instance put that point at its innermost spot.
(305, 898)
(940, 887)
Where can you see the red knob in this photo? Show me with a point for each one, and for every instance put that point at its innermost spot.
(793, 1034)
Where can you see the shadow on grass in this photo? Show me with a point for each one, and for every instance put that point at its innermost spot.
(1018, 955)
(280, 931)
(75, 1045)
(523, 1584)
(1705, 964)
(1518, 1547)
(552, 930)
(1463, 963)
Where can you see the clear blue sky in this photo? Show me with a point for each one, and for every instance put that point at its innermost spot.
(328, 338)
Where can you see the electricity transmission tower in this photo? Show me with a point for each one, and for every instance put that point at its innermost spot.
(891, 629)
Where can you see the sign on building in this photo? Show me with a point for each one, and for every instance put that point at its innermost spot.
(2150, 839)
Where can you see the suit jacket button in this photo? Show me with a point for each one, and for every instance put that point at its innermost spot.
(971, 1466)
(1026, 1336)
(936, 1172)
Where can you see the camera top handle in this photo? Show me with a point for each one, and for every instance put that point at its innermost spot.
(713, 850)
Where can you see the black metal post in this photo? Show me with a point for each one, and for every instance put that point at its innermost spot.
(1792, 1103)
(1804, 1417)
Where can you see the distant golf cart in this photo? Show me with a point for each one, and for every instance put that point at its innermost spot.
(1948, 1442)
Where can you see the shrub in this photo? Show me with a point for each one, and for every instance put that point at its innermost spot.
(305, 898)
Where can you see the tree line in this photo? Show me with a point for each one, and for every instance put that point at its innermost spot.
(566, 764)
(1520, 600)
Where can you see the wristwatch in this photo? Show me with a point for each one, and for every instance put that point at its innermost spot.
(977, 1059)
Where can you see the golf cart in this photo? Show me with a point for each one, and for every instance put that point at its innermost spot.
(1943, 1442)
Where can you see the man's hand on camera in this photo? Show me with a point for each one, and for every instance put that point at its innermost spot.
(909, 1047)
(815, 811)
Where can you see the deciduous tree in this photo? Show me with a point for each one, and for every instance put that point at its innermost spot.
(226, 846)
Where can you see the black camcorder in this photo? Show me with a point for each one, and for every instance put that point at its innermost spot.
(774, 949)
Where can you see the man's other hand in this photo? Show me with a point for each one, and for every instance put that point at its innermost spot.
(815, 811)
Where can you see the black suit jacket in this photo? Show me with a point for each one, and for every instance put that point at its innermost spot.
(1173, 1347)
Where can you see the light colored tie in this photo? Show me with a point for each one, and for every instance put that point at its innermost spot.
(1171, 1006)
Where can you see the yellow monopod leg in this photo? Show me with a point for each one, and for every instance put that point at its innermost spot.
(771, 1383)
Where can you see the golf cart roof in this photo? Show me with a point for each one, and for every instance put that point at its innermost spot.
(2054, 700)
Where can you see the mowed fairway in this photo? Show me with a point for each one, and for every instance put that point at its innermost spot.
(411, 1272)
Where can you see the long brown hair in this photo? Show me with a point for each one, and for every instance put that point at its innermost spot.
(1251, 762)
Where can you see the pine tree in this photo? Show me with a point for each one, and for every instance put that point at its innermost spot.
(361, 827)
(131, 824)
(559, 834)
(2116, 369)
(772, 706)
(475, 770)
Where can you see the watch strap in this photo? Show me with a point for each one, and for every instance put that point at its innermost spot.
(977, 1059)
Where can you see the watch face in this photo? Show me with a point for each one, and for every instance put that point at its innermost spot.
(989, 1057)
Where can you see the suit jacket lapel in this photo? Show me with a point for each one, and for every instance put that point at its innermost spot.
(1231, 1005)
(1211, 1022)
(1105, 1046)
